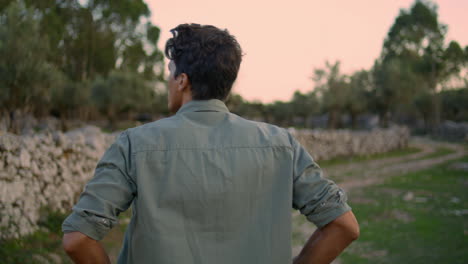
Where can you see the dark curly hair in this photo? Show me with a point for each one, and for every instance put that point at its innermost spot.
(209, 56)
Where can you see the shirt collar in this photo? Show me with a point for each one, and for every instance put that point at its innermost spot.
(204, 105)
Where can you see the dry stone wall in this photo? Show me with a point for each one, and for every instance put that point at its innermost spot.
(328, 144)
(49, 170)
(45, 170)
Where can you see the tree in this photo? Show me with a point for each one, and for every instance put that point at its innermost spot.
(396, 85)
(332, 87)
(454, 104)
(52, 52)
(280, 113)
(303, 106)
(415, 45)
(72, 100)
(252, 110)
(358, 94)
(455, 62)
(122, 92)
(236, 103)
(26, 77)
(415, 32)
(99, 36)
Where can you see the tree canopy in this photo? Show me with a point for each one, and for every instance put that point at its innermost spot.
(99, 59)
(56, 55)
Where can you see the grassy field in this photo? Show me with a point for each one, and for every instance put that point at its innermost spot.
(419, 217)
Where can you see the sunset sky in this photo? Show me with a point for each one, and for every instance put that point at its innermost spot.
(283, 41)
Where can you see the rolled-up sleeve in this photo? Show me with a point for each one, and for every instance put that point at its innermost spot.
(107, 194)
(318, 198)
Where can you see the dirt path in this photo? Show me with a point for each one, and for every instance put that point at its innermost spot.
(425, 148)
(362, 174)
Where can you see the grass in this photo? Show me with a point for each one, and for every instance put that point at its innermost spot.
(299, 236)
(43, 246)
(419, 217)
(354, 159)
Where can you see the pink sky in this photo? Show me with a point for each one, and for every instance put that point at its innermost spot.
(284, 41)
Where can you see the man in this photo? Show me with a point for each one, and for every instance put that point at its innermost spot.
(207, 186)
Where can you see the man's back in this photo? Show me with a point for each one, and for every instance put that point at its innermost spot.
(212, 188)
(206, 186)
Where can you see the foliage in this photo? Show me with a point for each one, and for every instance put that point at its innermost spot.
(253, 110)
(53, 52)
(415, 60)
(94, 38)
(26, 77)
(303, 105)
(122, 92)
(333, 88)
(395, 87)
(281, 111)
(343, 94)
(454, 103)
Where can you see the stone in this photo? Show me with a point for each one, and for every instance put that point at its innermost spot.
(25, 158)
(56, 259)
(40, 259)
(9, 142)
(408, 196)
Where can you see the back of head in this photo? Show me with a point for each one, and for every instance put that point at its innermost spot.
(209, 56)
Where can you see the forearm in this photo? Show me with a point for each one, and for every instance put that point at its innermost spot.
(328, 242)
(322, 248)
(82, 249)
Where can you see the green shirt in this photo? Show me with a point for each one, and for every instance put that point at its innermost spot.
(206, 186)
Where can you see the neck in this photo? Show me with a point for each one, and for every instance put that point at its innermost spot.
(186, 97)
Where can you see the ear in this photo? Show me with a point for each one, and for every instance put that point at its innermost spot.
(183, 82)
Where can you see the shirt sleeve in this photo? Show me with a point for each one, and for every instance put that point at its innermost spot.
(106, 195)
(318, 198)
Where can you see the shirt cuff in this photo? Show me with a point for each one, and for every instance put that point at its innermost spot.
(93, 226)
(325, 217)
